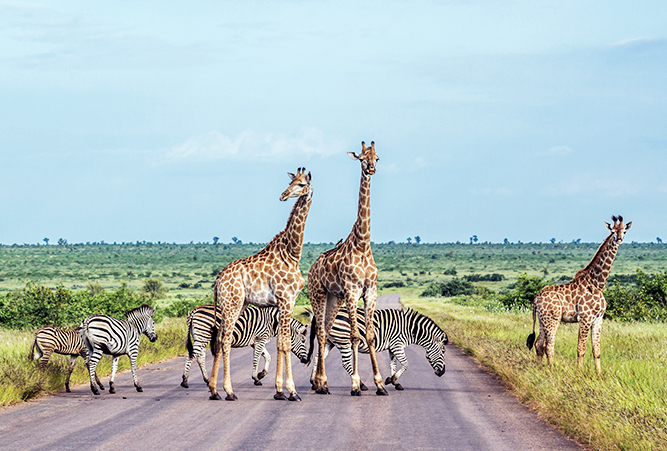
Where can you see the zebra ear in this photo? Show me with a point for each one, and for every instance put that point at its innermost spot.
(152, 311)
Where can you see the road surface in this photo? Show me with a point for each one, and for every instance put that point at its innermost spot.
(466, 409)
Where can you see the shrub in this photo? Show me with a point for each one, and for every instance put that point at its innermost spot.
(523, 293)
(484, 278)
(647, 300)
(451, 288)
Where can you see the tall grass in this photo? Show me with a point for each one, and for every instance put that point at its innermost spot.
(21, 379)
(623, 409)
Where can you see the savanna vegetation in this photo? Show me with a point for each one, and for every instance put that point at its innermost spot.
(480, 294)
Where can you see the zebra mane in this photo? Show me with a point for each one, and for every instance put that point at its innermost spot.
(415, 316)
(144, 310)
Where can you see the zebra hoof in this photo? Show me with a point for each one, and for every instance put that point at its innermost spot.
(280, 396)
(67, 389)
(355, 392)
(101, 386)
(215, 397)
(398, 387)
(96, 392)
(112, 390)
(363, 387)
(231, 397)
(381, 392)
(388, 381)
(322, 391)
(184, 384)
(294, 397)
(139, 389)
(261, 374)
(258, 382)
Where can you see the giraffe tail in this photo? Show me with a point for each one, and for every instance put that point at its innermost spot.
(531, 338)
(313, 334)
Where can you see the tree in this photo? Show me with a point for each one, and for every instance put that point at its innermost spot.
(215, 240)
(506, 241)
(409, 240)
(46, 240)
(62, 242)
(153, 289)
(473, 239)
(658, 239)
(418, 239)
(236, 240)
(553, 240)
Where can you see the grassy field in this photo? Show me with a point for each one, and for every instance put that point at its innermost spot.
(623, 409)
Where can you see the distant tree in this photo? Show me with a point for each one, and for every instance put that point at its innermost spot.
(391, 242)
(94, 288)
(46, 240)
(658, 239)
(473, 239)
(215, 240)
(236, 240)
(553, 240)
(409, 240)
(418, 239)
(62, 242)
(153, 289)
(506, 241)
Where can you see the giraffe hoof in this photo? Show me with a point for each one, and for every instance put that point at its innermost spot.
(258, 382)
(381, 392)
(215, 397)
(231, 397)
(398, 387)
(363, 387)
(294, 397)
(355, 392)
(322, 391)
(280, 396)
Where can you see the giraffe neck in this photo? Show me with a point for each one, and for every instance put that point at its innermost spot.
(362, 226)
(600, 266)
(296, 225)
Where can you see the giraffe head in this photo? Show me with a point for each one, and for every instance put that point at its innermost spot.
(618, 229)
(368, 158)
(300, 185)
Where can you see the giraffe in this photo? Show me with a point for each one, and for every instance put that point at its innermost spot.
(270, 277)
(580, 300)
(344, 275)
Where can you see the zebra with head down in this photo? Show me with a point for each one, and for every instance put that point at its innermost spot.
(394, 331)
(255, 327)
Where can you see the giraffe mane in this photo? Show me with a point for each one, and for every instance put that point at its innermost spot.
(584, 271)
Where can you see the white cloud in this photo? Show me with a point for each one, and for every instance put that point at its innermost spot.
(591, 186)
(252, 145)
(559, 150)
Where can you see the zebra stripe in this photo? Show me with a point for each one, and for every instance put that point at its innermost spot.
(50, 339)
(255, 327)
(394, 331)
(103, 334)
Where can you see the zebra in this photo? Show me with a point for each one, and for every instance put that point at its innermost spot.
(254, 328)
(50, 339)
(105, 335)
(394, 330)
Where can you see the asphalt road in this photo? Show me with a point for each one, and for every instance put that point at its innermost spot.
(466, 409)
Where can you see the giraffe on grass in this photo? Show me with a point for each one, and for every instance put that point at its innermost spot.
(270, 277)
(344, 275)
(580, 300)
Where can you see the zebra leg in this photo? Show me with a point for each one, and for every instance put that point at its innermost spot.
(399, 355)
(267, 362)
(133, 365)
(370, 298)
(94, 357)
(259, 349)
(114, 367)
(72, 364)
(44, 359)
(186, 371)
(84, 356)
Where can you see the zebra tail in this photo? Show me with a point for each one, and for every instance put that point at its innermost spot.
(188, 337)
(313, 333)
(531, 338)
(34, 346)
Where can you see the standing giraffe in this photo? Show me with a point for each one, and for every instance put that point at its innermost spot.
(270, 277)
(344, 275)
(580, 300)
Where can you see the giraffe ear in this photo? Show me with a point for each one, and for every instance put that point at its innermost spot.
(608, 226)
(354, 155)
(309, 177)
(628, 225)
(291, 176)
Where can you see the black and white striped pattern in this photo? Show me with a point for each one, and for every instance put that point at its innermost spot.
(255, 327)
(394, 331)
(102, 334)
(50, 339)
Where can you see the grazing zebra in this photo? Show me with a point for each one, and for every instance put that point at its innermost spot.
(105, 335)
(50, 339)
(255, 327)
(394, 330)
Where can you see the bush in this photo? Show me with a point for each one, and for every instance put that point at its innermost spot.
(484, 278)
(181, 307)
(523, 293)
(394, 284)
(451, 288)
(646, 301)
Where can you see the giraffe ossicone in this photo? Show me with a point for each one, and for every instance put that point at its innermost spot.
(580, 300)
(270, 277)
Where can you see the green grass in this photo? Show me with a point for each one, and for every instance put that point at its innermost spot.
(625, 408)
(21, 379)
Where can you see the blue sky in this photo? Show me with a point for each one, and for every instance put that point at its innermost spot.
(178, 121)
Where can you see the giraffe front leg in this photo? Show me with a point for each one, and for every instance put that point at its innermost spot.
(369, 300)
(284, 357)
(595, 338)
(584, 328)
(355, 338)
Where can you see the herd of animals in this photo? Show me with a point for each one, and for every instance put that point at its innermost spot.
(271, 281)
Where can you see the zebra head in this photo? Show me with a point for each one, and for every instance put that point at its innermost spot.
(298, 332)
(427, 333)
(142, 318)
(435, 353)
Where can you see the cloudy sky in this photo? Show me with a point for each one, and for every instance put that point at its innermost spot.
(178, 121)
